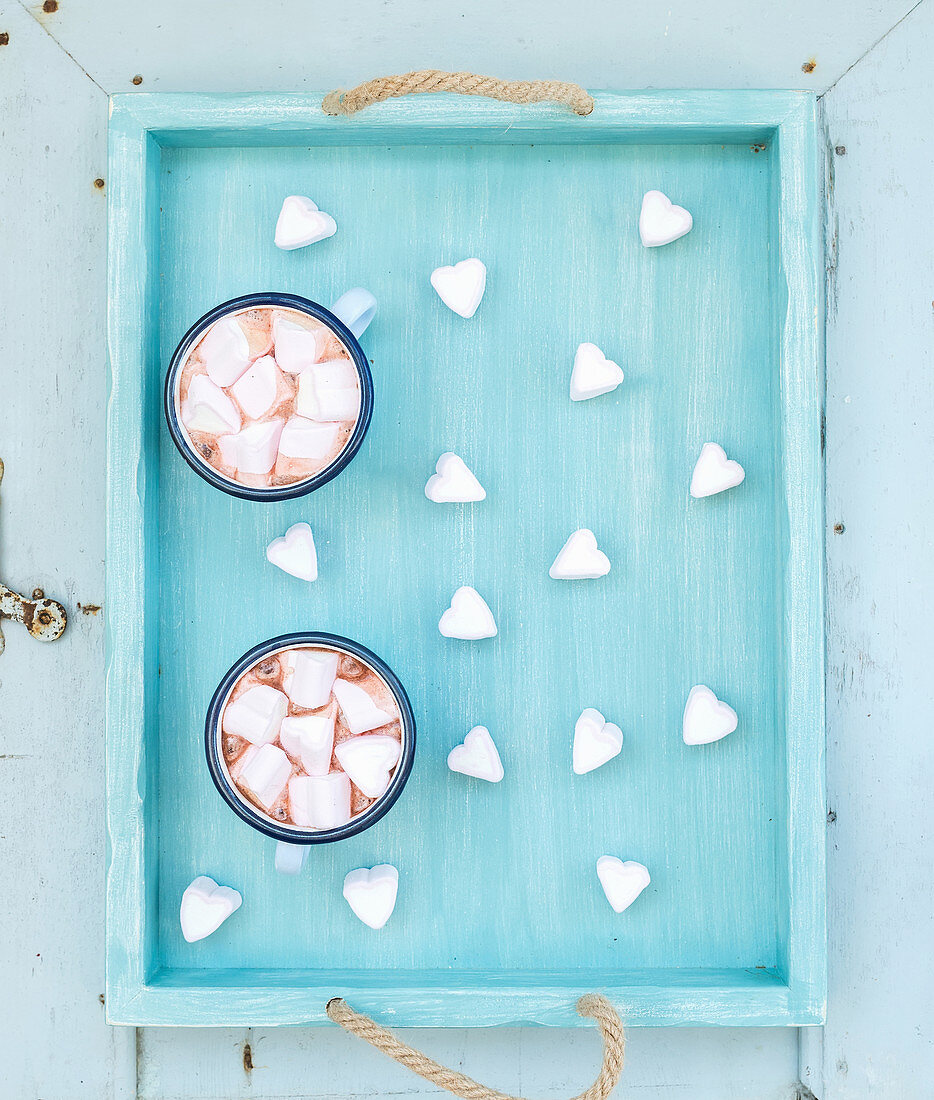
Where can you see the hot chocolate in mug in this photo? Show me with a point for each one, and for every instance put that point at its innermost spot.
(269, 396)
(309, 739)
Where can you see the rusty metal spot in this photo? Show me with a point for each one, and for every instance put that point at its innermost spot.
(137, 79)
(44, 619)
(89, 608)
(247, 1058)
(4, 38)
(758, 147)
(49, 6)
(838, 528)
(99, 184)
(809, 66)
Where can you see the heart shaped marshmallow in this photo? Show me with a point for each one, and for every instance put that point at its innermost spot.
(660, 221)
(369, 760)
(371, 893)
(468, 617)
(706, 718)
(295, 552)
(310, 739)
(477, 756)
(359, 711)
(453, 482)
(714, 472)
(593, 374)
(301, 222)
(253, 449)
(320, 801)
(461, 287)
(622, 882)
(580, 559)
(256, 714)
(595, 741)
(225, 351)
(205, 906)
(208, 409)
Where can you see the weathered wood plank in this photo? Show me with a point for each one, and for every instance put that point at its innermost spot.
(54, 1042)
(180, 46)
(880, 451)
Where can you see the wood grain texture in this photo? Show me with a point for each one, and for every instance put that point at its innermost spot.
(54, 1040)
(737, 916)
(880, 356)
(183, 47)
(293, 1063)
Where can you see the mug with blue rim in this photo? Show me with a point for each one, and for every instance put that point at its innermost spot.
(292, 839)
(347, 318)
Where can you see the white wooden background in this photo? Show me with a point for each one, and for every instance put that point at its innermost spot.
(873, 63)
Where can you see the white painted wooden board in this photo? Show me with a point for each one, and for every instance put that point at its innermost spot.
(877, 1037)
(178, 45)
(53, 1039)
(878, 1041)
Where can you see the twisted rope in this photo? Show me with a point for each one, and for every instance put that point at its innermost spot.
(592, 1006)
(340, 102)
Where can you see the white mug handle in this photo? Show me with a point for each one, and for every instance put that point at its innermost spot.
(356, 309)
(290, 858)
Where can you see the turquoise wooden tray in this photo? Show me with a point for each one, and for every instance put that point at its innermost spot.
(500, 916)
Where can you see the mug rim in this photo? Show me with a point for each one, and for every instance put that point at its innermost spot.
(254, 817)
(269, 298)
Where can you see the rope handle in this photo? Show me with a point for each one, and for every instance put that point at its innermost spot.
(340, 102)
(592, 1006)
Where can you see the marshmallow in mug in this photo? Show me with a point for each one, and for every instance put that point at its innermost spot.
(311, 737)
(269, 395)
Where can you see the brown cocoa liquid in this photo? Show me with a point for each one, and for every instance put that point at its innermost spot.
(271, 670)
(258, 328)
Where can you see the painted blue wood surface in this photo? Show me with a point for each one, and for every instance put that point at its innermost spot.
(732, 833)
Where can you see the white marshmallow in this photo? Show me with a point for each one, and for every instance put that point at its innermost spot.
(477, 756)
(300, 222)
(329, 391)
(264, 771)
(706, 718)
(453, 482)
(225, 351)
(310, 739)
(580, 559)
(461, 287)
(320, 801)
(660, 221)
(469, 616)
(205, 906)
(372, 893)
(310, 677)
(622, 882)
(714, 472)
(256, 714)
(595, 741)
(295, 552)
(256, 390)
(290, 858)
(252, 450)
(369, 761)
(593, 374)
(359, 712)
(208, 409)
(336, 374)
(296, 347)
(302, 438)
